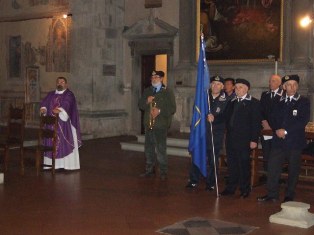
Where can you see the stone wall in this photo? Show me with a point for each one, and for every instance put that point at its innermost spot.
(97, 65)
(104, 75)
(25, 31)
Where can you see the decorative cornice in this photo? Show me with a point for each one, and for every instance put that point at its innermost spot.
(150, 28)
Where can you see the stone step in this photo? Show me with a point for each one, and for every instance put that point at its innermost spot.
(175, 142)
(171, 150)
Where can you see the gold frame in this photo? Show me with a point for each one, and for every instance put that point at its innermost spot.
(238, 60)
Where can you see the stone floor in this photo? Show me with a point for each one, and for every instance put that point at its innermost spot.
(107, 197)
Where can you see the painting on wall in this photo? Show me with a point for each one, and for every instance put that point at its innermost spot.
(58, 47)
(14, 57)
(242, 30)
(32, 89)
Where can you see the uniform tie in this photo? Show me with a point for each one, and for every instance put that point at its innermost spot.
(154, 91)
(272, 94)
(288, 100)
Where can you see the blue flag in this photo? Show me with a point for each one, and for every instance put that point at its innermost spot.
(197, 144)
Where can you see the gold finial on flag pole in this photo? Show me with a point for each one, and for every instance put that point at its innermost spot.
(201, 31)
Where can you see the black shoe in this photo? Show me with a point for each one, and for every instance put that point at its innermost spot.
(245, 194)
(266, 198)
(191, 185)
(163, 177)
(226, 193)
(147, 175)
(288, 199)
(209, 188)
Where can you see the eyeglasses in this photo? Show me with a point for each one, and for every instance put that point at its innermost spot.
(155, 76)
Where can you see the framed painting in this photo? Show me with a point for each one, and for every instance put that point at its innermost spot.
(32, 89)
(14, 47)
(241, 30)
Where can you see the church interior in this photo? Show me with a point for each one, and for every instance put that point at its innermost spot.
(107, 50)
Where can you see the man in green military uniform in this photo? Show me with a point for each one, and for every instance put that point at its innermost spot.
(158, 104)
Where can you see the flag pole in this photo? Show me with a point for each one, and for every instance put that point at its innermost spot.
(198, 136)
(213, 149)
(211, 130)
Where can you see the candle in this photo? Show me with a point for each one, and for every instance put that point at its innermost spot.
(276, 67)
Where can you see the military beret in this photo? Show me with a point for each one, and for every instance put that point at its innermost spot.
(217, 79)
(158, 73)
(230, 79)
(243, 81)
(293, 77)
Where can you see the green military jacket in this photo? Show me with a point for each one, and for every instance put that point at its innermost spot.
(165, 101)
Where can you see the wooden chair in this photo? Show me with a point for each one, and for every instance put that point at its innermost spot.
(47, 140)
(14, 137)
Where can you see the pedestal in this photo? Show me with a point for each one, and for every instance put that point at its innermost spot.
(294, 214)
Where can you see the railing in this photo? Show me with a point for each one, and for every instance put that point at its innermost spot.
(31, 110)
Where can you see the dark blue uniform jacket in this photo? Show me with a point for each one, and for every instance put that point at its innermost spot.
(293, 118)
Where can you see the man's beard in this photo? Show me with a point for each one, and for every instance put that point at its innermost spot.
(156, 84)
(60, 88)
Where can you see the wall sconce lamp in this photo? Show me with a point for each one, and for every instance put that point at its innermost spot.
(66, 15)
(306, 21)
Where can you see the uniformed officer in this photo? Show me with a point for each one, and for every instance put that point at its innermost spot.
(288, 122)
(158, 104)
(268, 100)
(243, 124)
(216, 117)
(229, 88)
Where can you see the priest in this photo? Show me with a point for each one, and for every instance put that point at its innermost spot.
(62, 102)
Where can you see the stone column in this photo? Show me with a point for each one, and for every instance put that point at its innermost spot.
(187, 17)
(185, 71)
